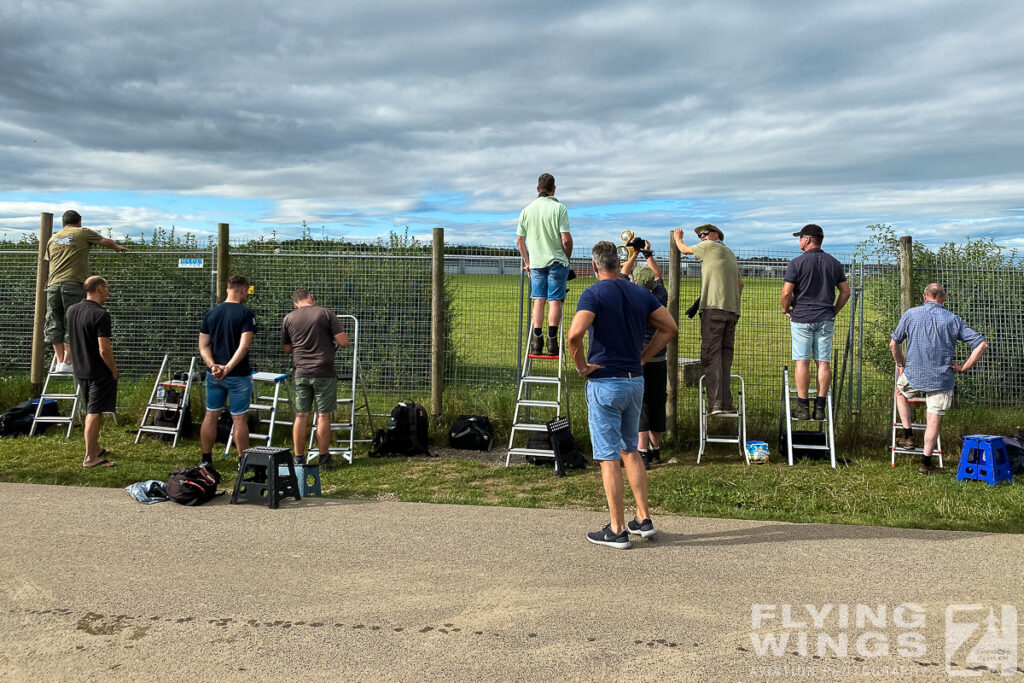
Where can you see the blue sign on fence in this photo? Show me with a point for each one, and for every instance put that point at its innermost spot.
(190, 263)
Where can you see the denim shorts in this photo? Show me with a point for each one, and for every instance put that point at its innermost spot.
(234, 390)
(548, 282)
(813, 340)
(613, 404)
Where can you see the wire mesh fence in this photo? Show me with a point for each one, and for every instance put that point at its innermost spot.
(159, 296)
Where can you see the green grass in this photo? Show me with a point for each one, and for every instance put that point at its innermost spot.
(868, 492)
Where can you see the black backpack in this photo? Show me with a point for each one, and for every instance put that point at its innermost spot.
(1015, 450)
(193, 485)
(471, 433)
(18, 420)
(406, 433)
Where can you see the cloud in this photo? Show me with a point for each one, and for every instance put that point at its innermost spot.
(363, 117)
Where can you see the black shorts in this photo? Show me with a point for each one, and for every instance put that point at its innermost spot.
(99, 395)
(655, 395)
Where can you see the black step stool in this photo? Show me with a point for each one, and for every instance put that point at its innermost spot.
(259, 477)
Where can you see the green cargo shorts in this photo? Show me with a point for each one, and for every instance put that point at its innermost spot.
(324, 390)
(59, 298)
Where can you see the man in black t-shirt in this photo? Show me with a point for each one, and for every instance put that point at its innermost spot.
(88, 326)
(809, 299)
(224, 340)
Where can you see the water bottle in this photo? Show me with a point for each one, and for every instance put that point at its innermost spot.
(160, 393)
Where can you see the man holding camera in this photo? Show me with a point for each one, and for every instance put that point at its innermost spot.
(809, 299)
(616, 313)
(652, 411)
(720, 289)
(545, 244)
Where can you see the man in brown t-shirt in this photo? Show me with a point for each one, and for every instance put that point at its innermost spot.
(68, 255)
(310, 333)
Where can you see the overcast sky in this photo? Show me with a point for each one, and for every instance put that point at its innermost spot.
(367, 117)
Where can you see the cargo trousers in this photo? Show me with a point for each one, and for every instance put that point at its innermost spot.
(717, 339)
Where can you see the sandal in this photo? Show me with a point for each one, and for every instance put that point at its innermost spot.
(102, 463)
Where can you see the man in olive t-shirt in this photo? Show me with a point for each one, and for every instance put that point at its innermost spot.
(67, 252)
(720, 290)
(309, 333)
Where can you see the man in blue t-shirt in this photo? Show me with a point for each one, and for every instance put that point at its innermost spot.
(809, 299)
(616, 312)
(224, 340)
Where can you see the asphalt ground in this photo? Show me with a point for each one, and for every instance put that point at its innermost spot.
(95, 586)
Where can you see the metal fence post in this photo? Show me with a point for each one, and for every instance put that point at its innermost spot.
(437, 322)
(223, 257)
(672, 355)
(42, 275)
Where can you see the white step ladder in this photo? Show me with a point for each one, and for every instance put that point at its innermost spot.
(158, 401)
(915, 426)
(526, 403)
(347, 448)
(57, 396)
(267, 403)
(786, 421)
(740, 415)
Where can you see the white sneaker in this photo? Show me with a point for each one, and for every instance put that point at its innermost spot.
(64, 368)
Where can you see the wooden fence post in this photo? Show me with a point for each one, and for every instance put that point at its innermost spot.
(223, 261)
(672, 355)
(36, 370)
(437, 322)
(906, 273)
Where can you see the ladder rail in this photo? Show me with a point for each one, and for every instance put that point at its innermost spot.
(525, 401)
(45, 395)
(350, 425)
(740, 416)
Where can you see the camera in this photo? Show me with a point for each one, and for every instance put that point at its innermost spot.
(631, 244)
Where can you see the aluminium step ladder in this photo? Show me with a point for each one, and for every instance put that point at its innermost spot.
(60, 378)
(267, 403)
(346, 447)
(786, 421)
(158, 403)
(527, 402)
(897, 423)
(740, 415)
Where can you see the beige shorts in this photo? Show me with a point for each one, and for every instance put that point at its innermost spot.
(937, 402)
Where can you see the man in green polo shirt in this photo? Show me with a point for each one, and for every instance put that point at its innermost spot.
(545, 244)
(720, 290)
(68, 255)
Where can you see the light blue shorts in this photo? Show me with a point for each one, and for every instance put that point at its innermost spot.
(813, 340)
(613, 404)
(548, 282)
(236, 390)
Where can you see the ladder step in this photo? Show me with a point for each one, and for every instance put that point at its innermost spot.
(537, 403)
(530, 427)
(810, 447)
(724, 439)
(165, 406)
(913, 425)
(536, 452)
(340, 425)
(541, 379)
(55, 419)
(542, 356)
(59, 397)
(912, 451)
(158, 430)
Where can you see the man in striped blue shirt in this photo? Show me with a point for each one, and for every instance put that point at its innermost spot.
(931, 333)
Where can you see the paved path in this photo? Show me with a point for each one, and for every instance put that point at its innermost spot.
(96, 586)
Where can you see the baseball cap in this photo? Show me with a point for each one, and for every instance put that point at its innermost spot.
(812, 230)
(644, 277)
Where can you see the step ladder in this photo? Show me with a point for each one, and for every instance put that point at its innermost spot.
(915, 426)
(267, 403)
(158, 401)
(62, 379)
(786, 421)
(522, 419)
(740, 415)
(347, 406)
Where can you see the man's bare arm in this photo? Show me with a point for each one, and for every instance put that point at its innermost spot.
(844, 296)
(567, 244)
(341, 339)
(677, 234)
(111, 244)
(787, 297)
(107, 354)
(977, 353)
(521, 246)
(243, 348)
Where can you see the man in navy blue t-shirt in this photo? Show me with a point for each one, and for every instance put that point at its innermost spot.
(616, 313)
(809, 299)
(224, 340)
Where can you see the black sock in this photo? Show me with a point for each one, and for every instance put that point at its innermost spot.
(552, 330)
(819, 401)
(536, 332)
(926, 460)
(207, 457)
(803, 401)
(908, 433)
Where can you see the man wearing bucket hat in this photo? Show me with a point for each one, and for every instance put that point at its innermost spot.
(720, 290)
(652, 410)
(809, 299)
